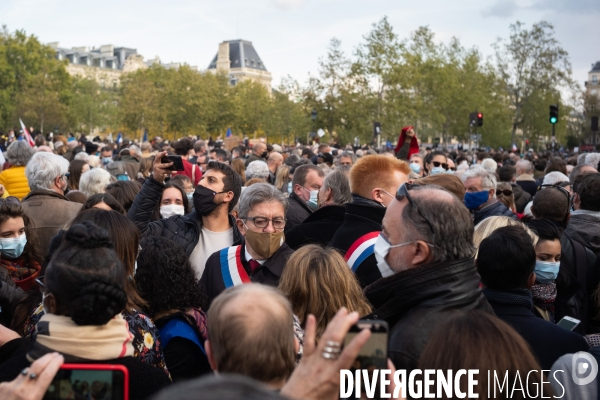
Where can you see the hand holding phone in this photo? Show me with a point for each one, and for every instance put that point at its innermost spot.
(177, 163)
(568, 323)
(97, 381)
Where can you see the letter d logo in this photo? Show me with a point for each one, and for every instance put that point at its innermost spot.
(584, 368)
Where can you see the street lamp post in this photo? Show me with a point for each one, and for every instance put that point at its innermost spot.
(313, 116)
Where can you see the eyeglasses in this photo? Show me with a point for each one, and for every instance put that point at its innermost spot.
(40, 282)
(402, 193)
(262, 222)
(506, 193)
(437, 164)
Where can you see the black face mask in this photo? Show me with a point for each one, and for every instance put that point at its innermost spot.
(264, 154)
(204, 200)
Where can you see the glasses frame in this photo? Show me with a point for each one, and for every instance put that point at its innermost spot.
(501, 193)
(562, 189)
(443, 165)
(269, 220)
(402, 192)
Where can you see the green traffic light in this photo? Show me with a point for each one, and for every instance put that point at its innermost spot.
(553, 120)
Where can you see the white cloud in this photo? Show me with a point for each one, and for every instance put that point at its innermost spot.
(288, 4)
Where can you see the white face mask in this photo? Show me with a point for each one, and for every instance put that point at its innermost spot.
(382, 249)
(170, 210)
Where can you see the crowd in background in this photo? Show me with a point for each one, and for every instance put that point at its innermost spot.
(255, 260)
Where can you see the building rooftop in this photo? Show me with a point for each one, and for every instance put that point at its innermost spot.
(241, 55)
(596, 67)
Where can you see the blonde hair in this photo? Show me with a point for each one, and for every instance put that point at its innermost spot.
(489, 225)
(318, 281)
(282, 176)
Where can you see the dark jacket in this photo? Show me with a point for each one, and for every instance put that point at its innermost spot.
(212, 283)
(414, 302)
(578, 278)
(296, 213)
(318, 228)
(402, 154)
(253, 157)
(10, 296)
(528, 184)
(144, 380)
(493, 210)
(521, 197)
(49, 212)
(184, 230)
(547, 340)
(360, 219)
(585, 228)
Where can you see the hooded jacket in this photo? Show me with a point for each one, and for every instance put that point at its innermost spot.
(414, 302)
(184, 230)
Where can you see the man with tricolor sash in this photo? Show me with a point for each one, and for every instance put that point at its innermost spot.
(373, 181)
(262, 255)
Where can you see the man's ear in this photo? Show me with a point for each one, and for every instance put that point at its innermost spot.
(241, 227)
(376, 194)
(422, 252)
(531, 280)
(328, 194)
(210, 356)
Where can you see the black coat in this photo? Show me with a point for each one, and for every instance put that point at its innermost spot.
(318, 228)
(521, 197)
(529, 186)
(574, 292)
(144, 379)
(493, 210)
(415, 301)
(296, 213)
(547, 340)
(359, 220)
(184, 230)
(212, 283)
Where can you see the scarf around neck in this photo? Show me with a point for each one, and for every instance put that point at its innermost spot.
(81, 343)
(544, 295)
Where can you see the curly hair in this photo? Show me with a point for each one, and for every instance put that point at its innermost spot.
(165, 278)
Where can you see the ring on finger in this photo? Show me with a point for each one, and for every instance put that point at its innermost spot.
(331, 343)
(32, 375)
(25, 371)
(330, 355)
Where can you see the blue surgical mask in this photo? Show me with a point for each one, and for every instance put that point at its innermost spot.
(106, 160)
(290, 187)
(190, 195)
(474, 200)
(313, 202)
(437, 170)
(416, 168)
(13, 247)
(546, 271)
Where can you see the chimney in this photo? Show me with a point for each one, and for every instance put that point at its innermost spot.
(223, 62)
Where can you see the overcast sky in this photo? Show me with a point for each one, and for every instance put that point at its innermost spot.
(291, 35)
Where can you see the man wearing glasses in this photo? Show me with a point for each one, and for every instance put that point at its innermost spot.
(427, 243)
(262, 255)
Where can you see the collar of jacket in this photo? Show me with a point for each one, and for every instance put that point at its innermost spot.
(276, 263)
(489, 208)
(299, 200)
(525, 177)
(372, 213)
(327, 212)
(356, 199)
(441, 284)
(196, 221)
(44, 193)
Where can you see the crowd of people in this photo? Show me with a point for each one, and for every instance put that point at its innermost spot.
(239, 274)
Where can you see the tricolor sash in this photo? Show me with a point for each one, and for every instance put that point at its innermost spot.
(361, 249)
(231, 267)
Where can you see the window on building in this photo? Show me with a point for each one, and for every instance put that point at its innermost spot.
(594, 79)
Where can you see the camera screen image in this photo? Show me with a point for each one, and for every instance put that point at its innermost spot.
(84, 384)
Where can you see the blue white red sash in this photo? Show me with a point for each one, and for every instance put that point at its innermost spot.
(361, 249)
(231, 267)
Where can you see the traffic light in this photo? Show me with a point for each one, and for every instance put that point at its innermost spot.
(553, 113)
(479, 119)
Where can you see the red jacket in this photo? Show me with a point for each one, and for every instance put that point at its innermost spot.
(195, 175)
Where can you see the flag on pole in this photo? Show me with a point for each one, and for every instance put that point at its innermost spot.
(228, 134)
(514, 147)
(145, 139)
(110, 138)
(26, 134)
(120, 138)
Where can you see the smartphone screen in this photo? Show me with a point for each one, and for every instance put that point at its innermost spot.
(568, 323)
(374, 352)
(87, 384)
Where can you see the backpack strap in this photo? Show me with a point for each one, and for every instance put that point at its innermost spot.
(177, 327)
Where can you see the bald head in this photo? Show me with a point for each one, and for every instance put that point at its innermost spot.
(259, 148)
(251, 333)
(274, 161)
